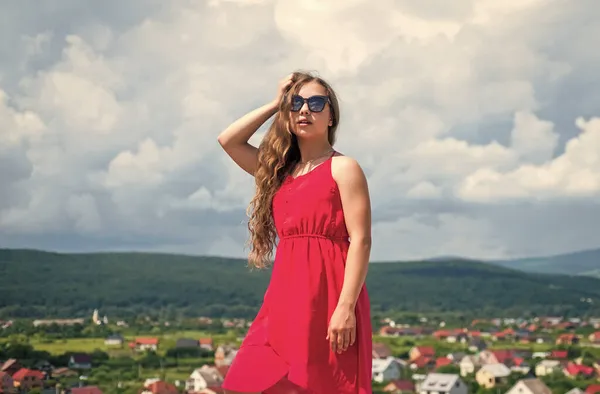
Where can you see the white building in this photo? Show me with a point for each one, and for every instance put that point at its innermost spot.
(203, 378)
(468, 365)
(385, 369)
(529, 386)
(547, 367)
(442, 383)
(490, 375)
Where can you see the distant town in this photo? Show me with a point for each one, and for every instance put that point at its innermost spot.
(542, 355)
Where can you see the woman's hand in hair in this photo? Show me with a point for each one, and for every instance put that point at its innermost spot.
(284, 87)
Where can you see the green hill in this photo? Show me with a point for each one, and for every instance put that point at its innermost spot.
(585, 262)
(36, 284)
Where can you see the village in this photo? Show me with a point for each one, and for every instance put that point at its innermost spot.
(549, 355)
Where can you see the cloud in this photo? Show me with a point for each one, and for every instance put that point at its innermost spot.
(574, 174)
(476, 121)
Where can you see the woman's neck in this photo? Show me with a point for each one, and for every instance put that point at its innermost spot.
(313, 151)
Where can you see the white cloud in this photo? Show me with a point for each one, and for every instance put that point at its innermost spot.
(533, 139)
(424, 190)
(575, 173)
(458, 111)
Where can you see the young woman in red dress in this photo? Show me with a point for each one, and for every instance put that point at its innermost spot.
(312, 333)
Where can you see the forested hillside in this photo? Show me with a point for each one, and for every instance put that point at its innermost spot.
(36, 284)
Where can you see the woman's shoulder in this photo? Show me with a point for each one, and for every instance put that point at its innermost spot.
(345, 168)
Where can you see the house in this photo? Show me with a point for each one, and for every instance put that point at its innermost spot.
(86, 390)
(44, 366)
(540, 354)
(592, 389)
(441, 334)
(573, 370)
(223, 369)
(206, 343)
(490, 375)
(203, 378)
(422, 363)
(542, 338)
(468, 365)
(385, 369)
(530, 386)
(80, 361)
(522, 353)
(27, 379)
(402, 331)
(504, 335)
(520, 366)
(551, 321)
(442, 383)
(421, 351)
(594, 337)
(567, 339)
(224, 355)
(559, 354)
(548, 367)
(187, 343)
(159, 387)
(477, 345)
(11, 366)
(461, 337)
(381, 350)
(6, 383)
(497, 356)
(442, 362)
(524, 336)
(144, 344)
(400, 387)
(575, 390)
(451, 336)
(456, 356)
(63, 372)
(114, 340)
(60, 322)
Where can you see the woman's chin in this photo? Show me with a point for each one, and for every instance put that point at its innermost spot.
(306, 132)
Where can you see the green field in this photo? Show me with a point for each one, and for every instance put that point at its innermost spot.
(60, 346)
(88, 345)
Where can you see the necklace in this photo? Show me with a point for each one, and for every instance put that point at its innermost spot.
(308, 163)
(316, 158)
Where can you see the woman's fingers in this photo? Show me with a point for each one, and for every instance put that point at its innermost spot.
(333, 341)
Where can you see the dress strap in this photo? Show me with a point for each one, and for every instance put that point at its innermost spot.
(328, 165)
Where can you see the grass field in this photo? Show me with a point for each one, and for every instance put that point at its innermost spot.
(87, 345)
(60, 346)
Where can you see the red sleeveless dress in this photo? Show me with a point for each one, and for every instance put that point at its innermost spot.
(286, 350)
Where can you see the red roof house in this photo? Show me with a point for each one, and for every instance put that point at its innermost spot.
(592, 389)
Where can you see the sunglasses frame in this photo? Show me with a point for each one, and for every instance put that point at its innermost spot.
(307, 101)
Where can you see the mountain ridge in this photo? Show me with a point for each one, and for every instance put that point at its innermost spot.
(583, 262)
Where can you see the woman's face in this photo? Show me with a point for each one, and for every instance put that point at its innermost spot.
(307, 123)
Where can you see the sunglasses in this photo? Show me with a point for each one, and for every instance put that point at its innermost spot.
(315, 103)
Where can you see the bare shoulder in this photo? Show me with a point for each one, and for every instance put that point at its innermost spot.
(345, 169)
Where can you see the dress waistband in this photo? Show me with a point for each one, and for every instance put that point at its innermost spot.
(308, 235)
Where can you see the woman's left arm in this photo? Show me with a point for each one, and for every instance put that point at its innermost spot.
(356, 204)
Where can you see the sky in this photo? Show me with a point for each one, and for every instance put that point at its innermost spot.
(477, 122)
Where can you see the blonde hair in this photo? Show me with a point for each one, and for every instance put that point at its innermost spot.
(278, 153)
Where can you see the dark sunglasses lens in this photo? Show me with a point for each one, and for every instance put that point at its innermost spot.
(316, 104)
(297, 103)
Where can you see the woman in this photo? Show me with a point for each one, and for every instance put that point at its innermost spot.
(313, 331)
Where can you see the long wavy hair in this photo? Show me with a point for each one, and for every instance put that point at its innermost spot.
(278, 154)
